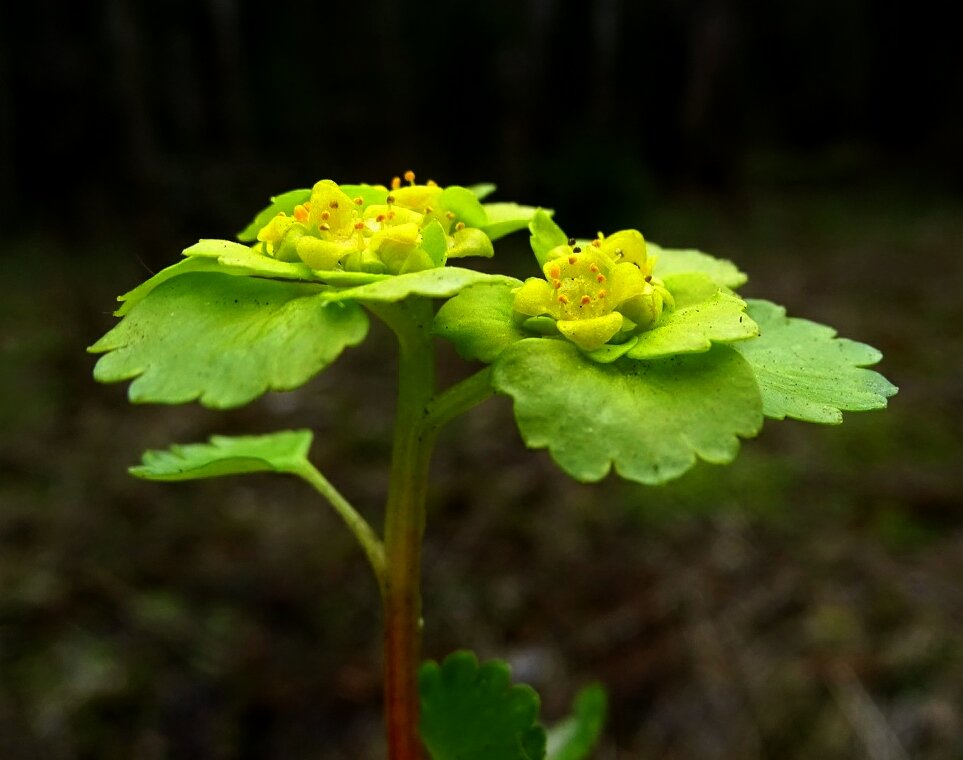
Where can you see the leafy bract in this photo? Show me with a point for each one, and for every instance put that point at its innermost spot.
(225, 340)
(807, 373)
(673, 261)
(479, 320)
(576, 736)
(432, 283)
(286, 451)
(697, 321)
(483, 189)
(474, 712)
(285, 202)
(506, 218)
(651, 420)
(545, 235)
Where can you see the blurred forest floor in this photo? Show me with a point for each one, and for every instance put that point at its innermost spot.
(804, 602)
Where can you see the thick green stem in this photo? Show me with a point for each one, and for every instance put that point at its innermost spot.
(404, 523)
(459, 398)
(368, 539)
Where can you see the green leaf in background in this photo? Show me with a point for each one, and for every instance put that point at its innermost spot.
(651, 420)
(464, 204)
(576, 736)
(546, 235)
(286, 451)
(695, 324)
(807, 373)
(673, 261)
(225, 340)
(506, 218)
(483, 189)
(474, 712)
(284, 202)
(431, 283)
(480, 320)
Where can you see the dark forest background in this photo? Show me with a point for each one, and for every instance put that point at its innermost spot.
(805, 602)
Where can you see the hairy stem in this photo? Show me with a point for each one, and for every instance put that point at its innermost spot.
(404, 523)
(370, 543)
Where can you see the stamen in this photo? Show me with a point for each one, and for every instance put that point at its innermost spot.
(359, 201)
(391, 214)
(395, 183)
(556, 273)
(572, 259)
(410, 176)
(602, 294)
(333, 204)
(391, 199)
(300, 213)
(431, 183)
(576, 249)
(449, 215)
(380, 218)
(597, 243)
(600, 278)
(325, 215)
(557, 284)
(593, 268)
(562, 299)
(586, 300)
(571, 241)
(359, 225)
(460, 226)
(324, 226)
(428, 209)
(648, 278)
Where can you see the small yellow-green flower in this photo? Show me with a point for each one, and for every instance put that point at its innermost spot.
(405, 229)
(596, 292)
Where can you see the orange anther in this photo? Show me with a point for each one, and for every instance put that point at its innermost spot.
(600, 278)
(557, 284)
(333, 204)
(300, 213)
(359, 201)
(325, 215)
(593, 268)
(586, 300)
(597, 243)
(601, 294)
(395, 183)
(380, 218)
(359, 225)
(410, 176)
(572, 259)
(556, 273)
(562, 300)
(460, 226)
(449, 215)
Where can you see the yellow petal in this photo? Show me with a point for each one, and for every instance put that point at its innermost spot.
(536, 297)
(626, 245)
(589, 334)
(323, 255)
(331, 207)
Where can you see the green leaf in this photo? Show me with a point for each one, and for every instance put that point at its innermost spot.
(673, 261)
(433, 283)
(483, 189)
(284, 202)
(435, 243)
(506, 218)
(464, 204)
(805, 372)
(651, 420)
(473, 712)
(546, 235)
(480, 320)
(574, 737)
(225, 340)
(286, 451)
(371, 195)
(695, 324)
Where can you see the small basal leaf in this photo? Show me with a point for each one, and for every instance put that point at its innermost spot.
(285, 202)
(807, 373)
(480, 320)
(474, 712)
(286, 451)
(226, 340)
(443, 282)
(651, 420)
(576, 736)
(695, 324)
(546, 235)
(673, 261)
(506, 218)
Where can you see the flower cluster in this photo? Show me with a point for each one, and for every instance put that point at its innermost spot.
(593, 294)
(377, 230)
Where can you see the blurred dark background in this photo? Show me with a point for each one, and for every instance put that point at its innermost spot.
(805, 602)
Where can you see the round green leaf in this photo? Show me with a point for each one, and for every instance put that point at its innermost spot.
(286, 451)
(480, 320)
(225, 340)
(473, 712)
(686, 261)
(651, 420)
(805, 372)
(442, 282)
